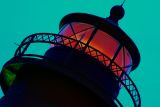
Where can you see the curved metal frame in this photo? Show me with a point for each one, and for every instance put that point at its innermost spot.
(61, 40)
(108, 27)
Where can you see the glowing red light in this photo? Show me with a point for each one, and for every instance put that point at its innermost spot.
(101, 41)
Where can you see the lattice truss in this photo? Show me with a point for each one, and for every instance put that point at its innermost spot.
(55, 39)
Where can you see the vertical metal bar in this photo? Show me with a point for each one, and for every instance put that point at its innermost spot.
(76, 36)
(72, 29)
(90, 39)
(115, 55)
(79, 41)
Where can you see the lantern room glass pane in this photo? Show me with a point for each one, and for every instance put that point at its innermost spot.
(84, 36)
(124, 59)
(66, 30)
(101, 41)
(105, 43)
(78, 27)
(78, 31)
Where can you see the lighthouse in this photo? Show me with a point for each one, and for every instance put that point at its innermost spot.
(86, 65)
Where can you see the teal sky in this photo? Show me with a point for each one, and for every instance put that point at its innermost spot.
(20, 18)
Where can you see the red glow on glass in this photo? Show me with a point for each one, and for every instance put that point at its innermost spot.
(84, 36)
(67, 31)
(105, 43)
(78, 27)
(101, 41)
(124, 59)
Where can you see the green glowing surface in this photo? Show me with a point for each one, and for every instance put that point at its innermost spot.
(9, 77)
(20, 18)
(9, 73)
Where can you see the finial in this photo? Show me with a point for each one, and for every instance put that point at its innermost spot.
(117, 12)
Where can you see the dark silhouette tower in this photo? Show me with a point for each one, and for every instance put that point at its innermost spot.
(86, 65)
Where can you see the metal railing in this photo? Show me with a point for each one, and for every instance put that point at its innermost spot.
(61, 40)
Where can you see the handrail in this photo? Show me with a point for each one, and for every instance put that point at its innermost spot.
(50, 38)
